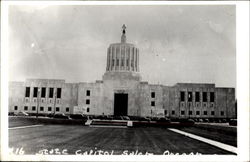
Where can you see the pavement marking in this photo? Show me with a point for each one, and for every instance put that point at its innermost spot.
(29, 126)
(211, 142)
(108, 126)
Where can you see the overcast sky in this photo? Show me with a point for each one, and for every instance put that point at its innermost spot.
(193, 44)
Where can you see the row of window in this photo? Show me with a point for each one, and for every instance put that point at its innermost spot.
(33, 108)
(197, 96)
(122, 62)
(36, 91)
(196, 112)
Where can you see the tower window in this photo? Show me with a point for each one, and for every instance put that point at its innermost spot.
(197, 96)
(43, 92)
(15, 107)
(57, 109)
(35, 91)
(87, 101)
(204, 96)
(88, 93)
(27, 92)
(222, 113)
(182, 96)
(152, 94)
(33, 108)
(41, 108)
(152, 103)
(51, 92)
(87, 109)
(59, 91)
(211, 96)
(25, 108)
(189, 96)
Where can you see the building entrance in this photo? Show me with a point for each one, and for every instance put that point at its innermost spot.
(121, 104)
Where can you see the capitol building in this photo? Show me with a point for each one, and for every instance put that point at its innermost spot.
(121, 92)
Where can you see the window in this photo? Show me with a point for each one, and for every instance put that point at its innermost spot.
(41, 108)
(57, 109)
(35, 91)
(127, 62)
(27, 92)
(212, 112)
(211, 96)
(152, 94)
(25, 108)
(182, 96)
(49, 108)
(205, 113)
(152, 103)
(117, 62)
(87, 101)
(67, 109)
(51, 92)
(197, 112)
(113, 62)
(122, 62)
(190, 96)
(204, 96)
(190, 112)
(197, 96)
(88, 93)
(87, 109)
(222, 113)
(182, 112)
(173, 112)
(43, 92)
(33, 108)
(15, 107)
(58, 92)
(165, 112)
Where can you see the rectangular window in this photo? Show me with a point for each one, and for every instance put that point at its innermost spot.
(51, 92)
(182, 112)
(152, 94)
(173, 112)
(67, 109)
(122, 62)
(87, 101)
(113, 62)
(190, 96)
(87, 109)
(182, 96)
(165, 112)
(152, 103)
(117, 62)
(25, 108)
(190, 112)
(204, 96)
(49, 108)
(88, 93)
(127, 62)
(205, 113)
(15, 107)
(27, 92)
(197, 96)
(41, 108)
(197, 112)
(211, 96)
(33, 108)
(212, 112)
(43, 92)
(222, 113)
(35, 91)
(57, 109)
(58, 92)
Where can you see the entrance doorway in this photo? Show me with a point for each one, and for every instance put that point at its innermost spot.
(121, 104)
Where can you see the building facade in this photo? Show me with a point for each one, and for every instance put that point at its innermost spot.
(121, 92)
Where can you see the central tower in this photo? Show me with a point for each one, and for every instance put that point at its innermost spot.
(122, 59)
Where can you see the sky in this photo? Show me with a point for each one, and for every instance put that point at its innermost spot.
(177, 43)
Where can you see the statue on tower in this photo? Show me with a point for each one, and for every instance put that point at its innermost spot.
(124, 29)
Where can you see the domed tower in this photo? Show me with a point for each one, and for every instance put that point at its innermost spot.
(122, 60)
